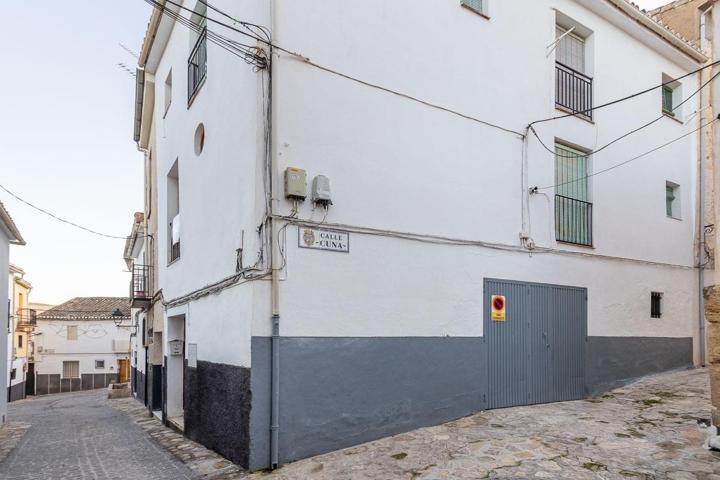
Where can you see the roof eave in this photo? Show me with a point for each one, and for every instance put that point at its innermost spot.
(10, 228)
(664, 33)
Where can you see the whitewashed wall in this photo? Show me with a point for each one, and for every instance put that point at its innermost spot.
(394, 164)
(95, 342)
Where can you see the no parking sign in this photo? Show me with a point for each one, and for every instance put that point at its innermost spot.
(497, 305)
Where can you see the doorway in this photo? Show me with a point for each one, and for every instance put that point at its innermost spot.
(536, 349)
(123, 370)
(175, 370)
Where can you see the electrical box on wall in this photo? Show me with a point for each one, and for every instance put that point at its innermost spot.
(295, 183)
(321, 190)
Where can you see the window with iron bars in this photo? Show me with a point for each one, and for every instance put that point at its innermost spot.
(656, 304)
(573, 88)
(573, 209)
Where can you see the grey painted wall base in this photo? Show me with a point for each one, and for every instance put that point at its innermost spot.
(16, 392)
(339, 392)
(614, 361)
(46, 383)
(216, 400)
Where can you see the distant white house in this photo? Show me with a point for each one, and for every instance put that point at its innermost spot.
(9, 235)
(81, 345)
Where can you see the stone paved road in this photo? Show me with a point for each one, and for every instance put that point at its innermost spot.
(647, 430)
(78, 436)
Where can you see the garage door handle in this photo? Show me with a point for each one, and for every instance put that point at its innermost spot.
(547, 344)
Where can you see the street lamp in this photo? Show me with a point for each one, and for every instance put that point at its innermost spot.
(118, 317)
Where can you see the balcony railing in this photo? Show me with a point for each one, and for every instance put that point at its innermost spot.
(573, 91)
(26, 318)
(197, 64)
(573, 221)
(140, 287)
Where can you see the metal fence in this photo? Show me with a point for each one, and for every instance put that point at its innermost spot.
(573, 221)
(573, 91)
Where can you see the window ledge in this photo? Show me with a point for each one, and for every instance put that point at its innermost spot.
(476, 12)
(673, 117)
(673, 218)
(574, 114)
(173, 262)
(586, 247)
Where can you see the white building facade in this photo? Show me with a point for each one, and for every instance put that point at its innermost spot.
(417, 113)
(80, 345)
(9, 235)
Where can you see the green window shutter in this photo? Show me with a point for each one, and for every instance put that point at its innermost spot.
(571, 171)
(479, 6)
(669, 200)
(573, 209)
(667, 100)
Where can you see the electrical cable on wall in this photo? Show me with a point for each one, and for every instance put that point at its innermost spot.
(631, 132)
(638, 157)
(307, 60)
(628, 97)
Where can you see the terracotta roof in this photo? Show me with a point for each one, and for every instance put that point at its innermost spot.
(88, 308)
(670, 35)
(7, 220)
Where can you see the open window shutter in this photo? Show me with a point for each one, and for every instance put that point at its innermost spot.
(479, 6)
(570, 50)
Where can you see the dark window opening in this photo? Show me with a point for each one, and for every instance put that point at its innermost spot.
(656, 305)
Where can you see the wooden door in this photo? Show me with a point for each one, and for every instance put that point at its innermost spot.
(123, 370)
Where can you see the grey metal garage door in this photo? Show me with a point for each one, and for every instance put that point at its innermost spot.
(537, 354)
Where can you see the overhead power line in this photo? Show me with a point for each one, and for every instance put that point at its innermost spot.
(250, 54)
(94, 232)
(628, 97)
(307, 60)
(638, 157)
(631, 132)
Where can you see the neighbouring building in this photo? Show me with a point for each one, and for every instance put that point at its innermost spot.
(698, 21)
(382, 225)
(83, 344)
(9, 235)
(146, 340)
(21, 336)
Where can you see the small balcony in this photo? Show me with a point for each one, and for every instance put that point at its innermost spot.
(26, 319)
(197, 65)
(573, 221)
(140, 287)
(573, 91)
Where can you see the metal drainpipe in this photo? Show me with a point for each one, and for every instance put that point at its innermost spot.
(274, 265)
(701, 208)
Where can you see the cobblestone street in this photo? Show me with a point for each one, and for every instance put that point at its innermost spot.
(648, 430)
(651, 430)
(78, 436)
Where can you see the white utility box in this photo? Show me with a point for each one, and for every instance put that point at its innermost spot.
(295, 183)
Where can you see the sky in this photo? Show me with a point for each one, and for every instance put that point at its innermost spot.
(66, 125)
